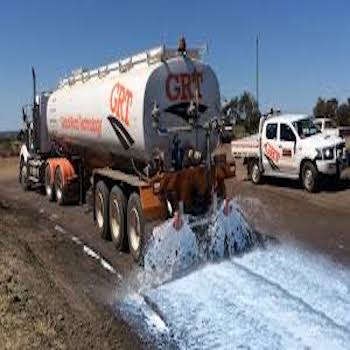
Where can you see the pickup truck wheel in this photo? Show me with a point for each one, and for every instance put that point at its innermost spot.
(49, 185)
(255, 172)
(117, 217)
(136, 228)
(310, 177)
(24, 177)
(101, 209)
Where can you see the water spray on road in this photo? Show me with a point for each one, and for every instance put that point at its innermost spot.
(259, 299)
(172, 251)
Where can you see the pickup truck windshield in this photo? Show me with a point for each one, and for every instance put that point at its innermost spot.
(305, 128)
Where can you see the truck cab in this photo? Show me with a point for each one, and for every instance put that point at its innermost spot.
(35, 146)
(291, 146)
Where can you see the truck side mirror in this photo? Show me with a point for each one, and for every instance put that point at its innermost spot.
(24, 116)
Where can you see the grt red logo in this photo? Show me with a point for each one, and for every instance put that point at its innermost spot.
(183, 86)
(272, 153)
(120, 102)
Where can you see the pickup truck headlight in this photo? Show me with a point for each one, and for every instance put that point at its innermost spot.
(318, 154)
(328, 153)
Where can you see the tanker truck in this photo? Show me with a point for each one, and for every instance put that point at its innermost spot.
(137, 135)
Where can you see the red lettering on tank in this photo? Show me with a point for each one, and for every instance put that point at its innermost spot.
(186, 93)
(183, 86)
(172, 87)
(128, 95)
(120, 102)
(80, 123)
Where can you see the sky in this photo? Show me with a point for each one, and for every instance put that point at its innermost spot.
(304, 45)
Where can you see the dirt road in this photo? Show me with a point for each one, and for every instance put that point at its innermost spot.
(280, 207)
(55, 267)
(51, 294)
(321, 221)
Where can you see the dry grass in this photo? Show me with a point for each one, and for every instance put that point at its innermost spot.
(25, 321)
(8, 167)
(9, 148)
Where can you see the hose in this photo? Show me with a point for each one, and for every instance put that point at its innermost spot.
(139, 173)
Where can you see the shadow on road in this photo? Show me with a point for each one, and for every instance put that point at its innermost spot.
(326, 185)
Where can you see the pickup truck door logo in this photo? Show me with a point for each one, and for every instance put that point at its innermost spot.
(272, 155)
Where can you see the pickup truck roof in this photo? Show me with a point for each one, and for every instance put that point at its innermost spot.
(290, 117)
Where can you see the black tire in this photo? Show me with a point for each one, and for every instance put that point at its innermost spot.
(336, 178)
(60, 189)
(117, 218)
(136, 228)
(334, 181)
(309, 177)
(102, 209)
(24, 176)
(49, 185)
(254, 171)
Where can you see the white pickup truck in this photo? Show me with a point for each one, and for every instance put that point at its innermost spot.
(291, 146)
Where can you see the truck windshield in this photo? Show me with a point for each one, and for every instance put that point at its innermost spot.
(305, 128)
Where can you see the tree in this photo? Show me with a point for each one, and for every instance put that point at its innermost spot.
(249, 112)
(320, 108)
(243, 110)
(343, 114)
(230, 109)
(326, 109)
(331, 108)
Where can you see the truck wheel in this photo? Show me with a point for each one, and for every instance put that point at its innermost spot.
(24, 177)
(136, 227)
(117, 216)
(309, 177)
(49, 186)
(60, 190)
(255, 173)
(101, 209)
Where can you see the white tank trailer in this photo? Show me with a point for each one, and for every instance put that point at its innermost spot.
(142, 129)
(106, 115)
